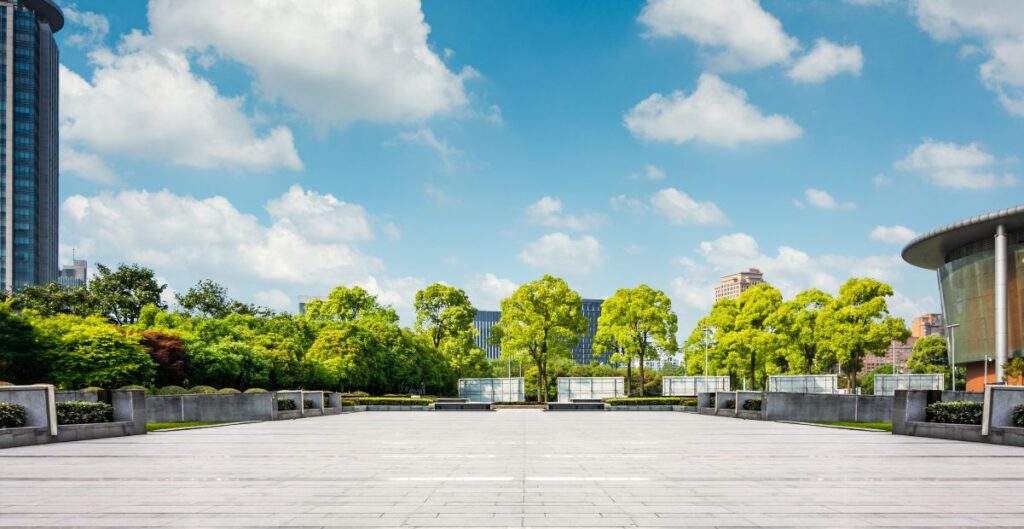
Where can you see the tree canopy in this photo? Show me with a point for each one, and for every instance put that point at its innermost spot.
(637, 323)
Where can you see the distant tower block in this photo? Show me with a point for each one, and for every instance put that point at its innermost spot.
(731, 286)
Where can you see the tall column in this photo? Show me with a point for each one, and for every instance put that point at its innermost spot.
(1000, 299)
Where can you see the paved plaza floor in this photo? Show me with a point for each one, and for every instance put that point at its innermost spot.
(513, 468)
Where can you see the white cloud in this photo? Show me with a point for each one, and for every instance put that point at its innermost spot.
(741, 34)
(650, 172)
(426, 137)
(548, 211)
(320, 216)
(881, 179)
(87, 29)
(335, 62)
(560, 253)
(626, 203)
(823, 200)
(146, 102)
(275, 299)
(957, 166)
(392, 231)
(487, 291)
(679, 208)
(827, 60)
(186, 239)
(998, 26)
(398, 293)
(439, 196)
(86, 165)
(892, 234)
(716, 113)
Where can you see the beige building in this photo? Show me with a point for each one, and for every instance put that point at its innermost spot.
(731, 286)
(928, 325)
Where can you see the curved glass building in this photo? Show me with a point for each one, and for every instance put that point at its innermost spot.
(980, 266)
(28, 142)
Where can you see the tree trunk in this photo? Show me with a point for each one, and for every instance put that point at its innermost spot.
(629, 377)
(643, 387)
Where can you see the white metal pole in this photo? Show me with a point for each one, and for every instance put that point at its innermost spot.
(1000, 303)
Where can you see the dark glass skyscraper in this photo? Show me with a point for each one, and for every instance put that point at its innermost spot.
(28, 142)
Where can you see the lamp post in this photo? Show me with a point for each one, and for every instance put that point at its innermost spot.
(706, 342)
(952, 352)
(985, 383)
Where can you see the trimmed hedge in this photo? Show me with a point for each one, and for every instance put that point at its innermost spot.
(255, 390)
(11, 415)
(729, 404)
(203, 390)
(392, 401)
(355, 394)
(955, 412)
(78, 412)
(172, 390)
(1018, 415)
(349, 402)
(225, 391)
(752, 405)
(91, 388)
(136, 386)
(286, 405)
(645, 401)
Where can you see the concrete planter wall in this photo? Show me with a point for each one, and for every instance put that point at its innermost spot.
(909, 415)
(817, 407)
(655, 407)
(379, 407)
(211, 407)
(41, 417)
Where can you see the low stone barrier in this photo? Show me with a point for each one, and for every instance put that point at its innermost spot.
(910, 416)
(212, 407)
(41, 417)
(826, 407)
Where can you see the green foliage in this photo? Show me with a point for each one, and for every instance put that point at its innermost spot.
(93, 389)
(752, 405)
(868, 382)
(540, 321)
(229, 364)
(52, 299)
(120, 294)
(637, 324)
(255, 390)
(646, 401)
(1014, 367)
(307, 404)
(955, 412)
(1018, 416)
(347, 304)
(729, 404)
(77, 412)
(23, 354)
(286, 405)
(92, 352)
(172, 390)
(393, 401)
(797, 323)
(11, 415)
(443, 311)
(202, 390)
(136, 386)
(349, 402)
(226, 391)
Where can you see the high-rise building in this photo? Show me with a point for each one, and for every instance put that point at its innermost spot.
(75, 274)
(28, 150)
(304, 300)
(483, 322)
(731, 286)
(928, 325)
(583, 353)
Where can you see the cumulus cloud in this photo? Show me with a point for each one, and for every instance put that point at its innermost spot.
(997, 26)
(87, 29)
(650, 172)
(320, 216)
(548, 211)
(957, 166)
(716, 113)
(560, 253)
(892, 234)
(739, 33)
(827, 60)
(146, 102)
(678, 207)
(823, 200)
(486, 291)
(426, 137)
(627, 203)
(85, 165)
(334, 62)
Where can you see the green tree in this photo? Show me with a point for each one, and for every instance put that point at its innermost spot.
(641, 321)
(23, 354)
(753, 340)
(51, 299)
(797, 321)
(868, 385)
(443, 311)
(929, 353)
(721, 339)
(347, 304)
(92, 352)
(229, 364)
(121, 293)
(206, 298)
(857, 322)
(336, 357)
(540, 321)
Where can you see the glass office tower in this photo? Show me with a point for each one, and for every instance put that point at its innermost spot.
(28, 142)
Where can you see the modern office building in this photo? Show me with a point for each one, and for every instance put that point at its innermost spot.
(928, 325)
(483, 322)
(74, 275)
(980, 266)
(304, 300)
(900, 350)
(28, 149)
(732, 285)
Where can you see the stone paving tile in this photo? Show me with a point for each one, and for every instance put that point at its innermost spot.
(514, 468)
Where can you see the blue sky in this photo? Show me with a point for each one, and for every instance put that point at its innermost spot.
(293, 146)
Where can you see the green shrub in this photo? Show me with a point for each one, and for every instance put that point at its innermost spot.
(645, 401)
(11, 415)
(307, 404)
(729, 404)
(1018, 415)
(349, 402)
(393, 401)
(688, 401)
(91, 388)
(172, 390)
(285, 405)
(78, 412)
(136, 386)
(255, 390)
(752, 404)
(203, 390)
(955, 412)
(225, 391)
(355, 394)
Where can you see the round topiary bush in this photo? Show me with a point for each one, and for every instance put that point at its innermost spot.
(225, 391)
(91, 388)
(255, 390)
(203, 390)
(172, 390)
(135, 386)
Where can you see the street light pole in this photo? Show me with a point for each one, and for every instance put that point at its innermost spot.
(952, 353)
(705, 358)
(985, 383)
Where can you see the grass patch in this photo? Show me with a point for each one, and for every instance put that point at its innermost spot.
(155, 426)
(887, 426)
